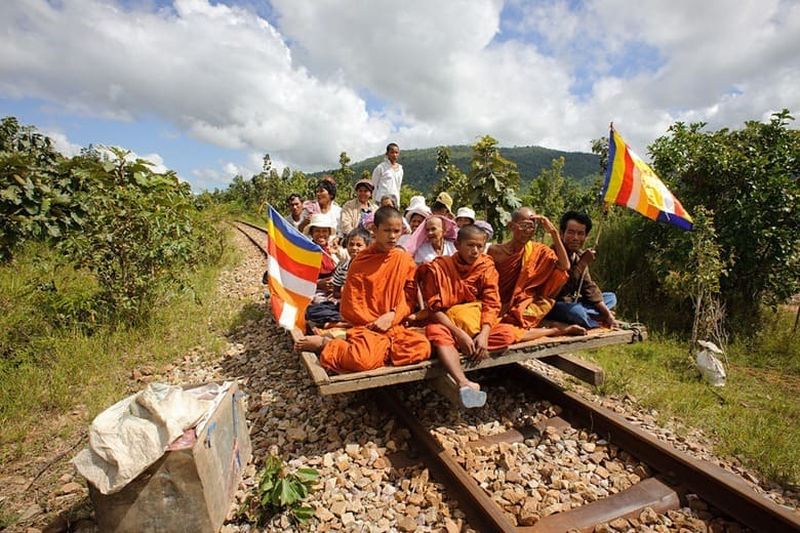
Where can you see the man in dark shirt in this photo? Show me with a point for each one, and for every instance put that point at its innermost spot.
(580, 300)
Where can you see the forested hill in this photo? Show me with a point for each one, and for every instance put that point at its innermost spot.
(419, 165)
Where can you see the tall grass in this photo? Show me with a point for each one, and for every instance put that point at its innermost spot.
(54, 356)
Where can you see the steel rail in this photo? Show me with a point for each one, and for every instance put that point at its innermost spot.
(719, 487)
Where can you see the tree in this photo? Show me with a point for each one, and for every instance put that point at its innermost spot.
(452, 180)
(492, 182)
(344, 179)
(37, 188)
(749, 179)
(548, 191)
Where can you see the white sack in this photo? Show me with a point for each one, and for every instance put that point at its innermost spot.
(709, 365)
(133, 433)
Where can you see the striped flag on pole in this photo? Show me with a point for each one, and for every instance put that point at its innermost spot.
(630, 182)
(293, 265)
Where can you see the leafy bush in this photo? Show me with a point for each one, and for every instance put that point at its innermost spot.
(278, 492)
(141, 235)
(37, 188)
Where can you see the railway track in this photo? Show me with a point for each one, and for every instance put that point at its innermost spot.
(558, 462)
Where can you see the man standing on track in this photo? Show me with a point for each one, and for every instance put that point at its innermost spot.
(387, 177)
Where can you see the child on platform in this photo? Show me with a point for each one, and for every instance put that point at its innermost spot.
(378, 295)
(461, 293)
(324, 309)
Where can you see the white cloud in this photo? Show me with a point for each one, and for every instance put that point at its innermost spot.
(222, 74)
(439, 70)
(62, 144)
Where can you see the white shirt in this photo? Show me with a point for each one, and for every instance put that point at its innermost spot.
(426, 253)
(334, 214)
(387, 179)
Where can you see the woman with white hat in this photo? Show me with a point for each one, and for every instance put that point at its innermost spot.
(464, 216)
(320, 229)
(415, 215)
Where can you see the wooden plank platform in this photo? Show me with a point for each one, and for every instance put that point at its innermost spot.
(393, 375)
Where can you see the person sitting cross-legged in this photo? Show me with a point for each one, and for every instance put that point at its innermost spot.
(580, 301)
(460, 292)
(531, 274)
(378, 295)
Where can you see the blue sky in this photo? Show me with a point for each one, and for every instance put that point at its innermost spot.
(206, 88)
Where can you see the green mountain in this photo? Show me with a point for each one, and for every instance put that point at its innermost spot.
(419, 165)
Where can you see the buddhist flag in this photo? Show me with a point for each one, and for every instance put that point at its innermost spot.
(632, 183)
(293, 266)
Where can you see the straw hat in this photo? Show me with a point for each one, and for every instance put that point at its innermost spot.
(445, 199)
(417, 207)
(319, 220)
(466, 212)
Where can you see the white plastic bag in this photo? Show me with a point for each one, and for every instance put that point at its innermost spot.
(133, 433)
(709, 365)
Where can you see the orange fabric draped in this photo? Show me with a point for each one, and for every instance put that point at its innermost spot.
(377, 282)
(469, 294)
(531, 281)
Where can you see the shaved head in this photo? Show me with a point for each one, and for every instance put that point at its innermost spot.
(386, 213)
(470, 231)
(522, 213)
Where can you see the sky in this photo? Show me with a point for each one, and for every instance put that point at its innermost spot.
(207, 87)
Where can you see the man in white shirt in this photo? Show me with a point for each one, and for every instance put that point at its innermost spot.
(388, 175)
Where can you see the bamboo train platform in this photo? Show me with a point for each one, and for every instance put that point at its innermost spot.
(555, 351)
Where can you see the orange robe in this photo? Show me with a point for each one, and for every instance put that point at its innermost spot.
(530, 281)
(377, 282)
(447, 283)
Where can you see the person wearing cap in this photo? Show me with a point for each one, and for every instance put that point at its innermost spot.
(464, 216)
(353, 210)
(443, 205)
(387, 178)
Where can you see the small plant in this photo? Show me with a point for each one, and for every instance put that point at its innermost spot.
(280, 492)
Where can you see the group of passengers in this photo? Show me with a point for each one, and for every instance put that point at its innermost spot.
(395, 272)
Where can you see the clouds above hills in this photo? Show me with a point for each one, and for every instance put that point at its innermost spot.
(316, 78)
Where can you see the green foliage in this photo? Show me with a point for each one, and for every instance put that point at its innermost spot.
(279, 492)
(548, 191)
(345, 179)
(419, 165)
(37, 188)
(141, 236)
(698, 278)
(749, 179)
(452, 180)
(493, 180)
(406, 192)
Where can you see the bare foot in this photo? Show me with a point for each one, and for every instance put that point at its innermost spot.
(310, 343)
(573, 330)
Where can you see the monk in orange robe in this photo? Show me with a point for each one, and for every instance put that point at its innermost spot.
(531, 274)
(377, 297)
(461, 295)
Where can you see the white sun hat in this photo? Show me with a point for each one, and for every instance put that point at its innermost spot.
(466, 212)
(320, 220)
(417, 207)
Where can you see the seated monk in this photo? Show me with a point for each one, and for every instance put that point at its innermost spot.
(460, 292)
(378, 295)
(531, 274)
